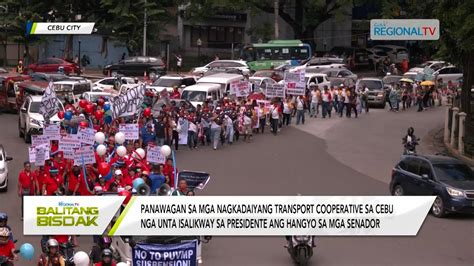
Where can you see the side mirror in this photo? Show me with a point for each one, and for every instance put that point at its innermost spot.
(8, 158)
(23, 110)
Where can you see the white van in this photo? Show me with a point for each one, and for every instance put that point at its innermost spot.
(223, 79)
(396, 53)
(200, 92)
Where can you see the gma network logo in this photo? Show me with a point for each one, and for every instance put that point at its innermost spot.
(67, 214)
(404, 29)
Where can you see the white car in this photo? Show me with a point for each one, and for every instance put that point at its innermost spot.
(449, 73)
(4, 159)
(376, 56)
(220, 64)
(92, 97)
(260, 83)
(169, 81)
(319, 79)
(108, 83)
(395, 53)
(30, 121)
(434, 65)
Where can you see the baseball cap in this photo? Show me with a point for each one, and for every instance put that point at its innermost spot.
(118, 172)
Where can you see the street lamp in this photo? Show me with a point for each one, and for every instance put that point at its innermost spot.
(166, 151)
(199, 43)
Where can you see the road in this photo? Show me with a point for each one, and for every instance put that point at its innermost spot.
(337, 156)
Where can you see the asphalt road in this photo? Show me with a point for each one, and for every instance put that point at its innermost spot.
(335, 156)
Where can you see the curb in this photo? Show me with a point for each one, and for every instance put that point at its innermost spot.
(435, 143)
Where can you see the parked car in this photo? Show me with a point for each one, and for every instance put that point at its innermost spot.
(395, 53)
(319, 79)
(200, 92)
(4, 159)
(52, 65)
(25, 88)
(109, 83)
(339, 73)
(274, 74)
(450, 180)
(169, 81)
(360, 55)
(237, 64)
(260, 83)
(8, 92)
(376, 56)
(324, 62)
(449, 73)
(376, 94)
(30, 121)
(152, 67)
(434, 65)
(410, 75)
(38, 76)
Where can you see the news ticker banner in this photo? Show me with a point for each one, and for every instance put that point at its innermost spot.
(59, 27)
(227, 215)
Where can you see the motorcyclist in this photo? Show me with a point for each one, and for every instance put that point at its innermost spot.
(4, 223)
(7, 247)
(409, 141)
(53, 257)
(103, 243)
(106, 258)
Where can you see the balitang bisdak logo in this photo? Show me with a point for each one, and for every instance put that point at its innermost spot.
(67, 214)
(404, 29)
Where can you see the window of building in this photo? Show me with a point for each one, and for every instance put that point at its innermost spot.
(216, 36)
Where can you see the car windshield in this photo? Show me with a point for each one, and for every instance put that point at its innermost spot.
(62, 87)
(164, 82)
(453, 172)
(372, 85)
(194, 96)
(63, 96)
(35, 106)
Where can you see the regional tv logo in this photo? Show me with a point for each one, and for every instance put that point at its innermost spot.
(67, 214)
(404, 29)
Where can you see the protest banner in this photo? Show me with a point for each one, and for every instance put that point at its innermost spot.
(37, 140)
(68, 143)
(52, 131)
(86, 135)
(183, 134)
(84, 155)
(129, 130)
(240, 88)
(40, 156)
(295, 88)
(153, 155)
(69, 155)
(129, 103)
(275, 90)
(297, 76)
(49, 103)
(170, 254)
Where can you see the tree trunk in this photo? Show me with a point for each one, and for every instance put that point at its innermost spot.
(68, 50)
(467, 101)
(308, 36)
(299, 17)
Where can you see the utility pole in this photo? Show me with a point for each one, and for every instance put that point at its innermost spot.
(276, 14)
(144, 30)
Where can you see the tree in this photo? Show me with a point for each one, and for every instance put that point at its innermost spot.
(303, 16)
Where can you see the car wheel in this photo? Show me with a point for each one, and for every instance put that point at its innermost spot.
(27, 137)
(20, 133)
(398, 191)
(437, 209)
(152, 75)
(5, 189)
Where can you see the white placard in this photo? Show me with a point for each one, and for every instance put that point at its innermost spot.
(37, 140)
(40, 156)
(275, 90)
(130, 131)
(240, 88)
(69, 143)
(84, 154)
(86, 135)
(69, 155)
(52, 131)
(295, 88)
(153, 155)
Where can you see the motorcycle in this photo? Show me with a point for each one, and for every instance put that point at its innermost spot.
(410, 145)
(7, 261)
(301, 249)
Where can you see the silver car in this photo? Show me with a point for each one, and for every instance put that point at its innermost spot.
(376, 95)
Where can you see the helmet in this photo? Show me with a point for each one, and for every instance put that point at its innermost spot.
(4, 235)
(105, 241)
(410, 131)
(52, 243)
(106, 253)
(3, 217)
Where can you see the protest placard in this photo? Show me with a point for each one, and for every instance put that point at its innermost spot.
(242, 89)
(129, 130)
(69, 143)
(69, 155)
(86, 135)
(275, 90)
(297, 76)
(52, 131)
(169, 254)
(84, 155)
(49, 103)
(153, 155)
(129, 103)
(295, 88)
(37, 140)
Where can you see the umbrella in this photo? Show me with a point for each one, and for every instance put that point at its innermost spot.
(406, 80)
(427, 83)
(256, 96)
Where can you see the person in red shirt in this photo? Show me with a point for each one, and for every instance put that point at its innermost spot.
(106, 258)
(27, 183)
(73, 179)
(40, 175)
(118, 179)
(83, 188)
(128, 179)
(59, 163)
(7, 247)
(175, 94)
(101, 185)
(53, 184)
(168, 170)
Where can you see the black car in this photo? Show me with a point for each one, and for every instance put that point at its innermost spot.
(450, 180)
(153, 67)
